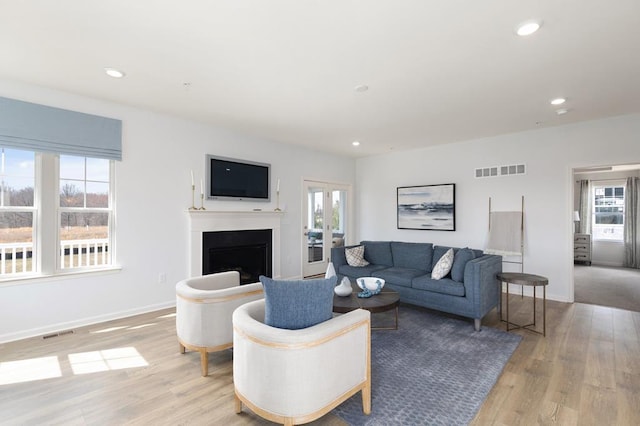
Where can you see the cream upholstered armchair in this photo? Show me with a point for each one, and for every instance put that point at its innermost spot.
(204, 306)
(297, 376)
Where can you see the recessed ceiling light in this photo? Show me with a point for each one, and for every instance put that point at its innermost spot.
(112, 72)
(562, 111)
(528, 27)
(361, 88)
(355, 143)
(558, 101)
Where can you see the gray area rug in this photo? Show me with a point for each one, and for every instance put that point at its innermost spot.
(434, 370)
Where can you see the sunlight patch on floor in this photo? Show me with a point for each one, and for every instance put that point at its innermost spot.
(108, 359)
(29, 370)
(137, 327)
(108, 330)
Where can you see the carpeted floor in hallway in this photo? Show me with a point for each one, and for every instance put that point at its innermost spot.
(607, 286)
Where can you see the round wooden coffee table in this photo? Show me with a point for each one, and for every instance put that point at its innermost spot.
(386, 300)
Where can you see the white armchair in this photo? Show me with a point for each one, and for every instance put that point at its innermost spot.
(204, 306)
(296, 376)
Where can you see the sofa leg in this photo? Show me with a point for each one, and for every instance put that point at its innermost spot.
(182, 348)
(476, 323)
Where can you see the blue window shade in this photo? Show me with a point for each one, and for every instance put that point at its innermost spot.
(34, 127)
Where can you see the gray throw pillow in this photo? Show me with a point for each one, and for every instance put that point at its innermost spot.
(296, 304)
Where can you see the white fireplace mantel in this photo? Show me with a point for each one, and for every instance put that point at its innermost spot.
(221, 220)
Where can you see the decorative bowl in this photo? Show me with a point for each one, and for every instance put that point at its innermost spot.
(370, 283)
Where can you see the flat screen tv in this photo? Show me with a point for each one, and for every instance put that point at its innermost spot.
(240, 180)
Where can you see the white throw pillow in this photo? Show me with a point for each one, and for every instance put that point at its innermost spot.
(443, 266)
(355, 256)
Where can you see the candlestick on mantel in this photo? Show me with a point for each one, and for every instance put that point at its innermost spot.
(193, 193)
(193, 198)
(201, 196)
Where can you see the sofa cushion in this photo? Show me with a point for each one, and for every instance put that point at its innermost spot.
(460, 260)
(443, 286)
(355, 256)
(295, 304)
(412, 255)
(438, 252)
(359, 271)
(442, 268)
(378, 252)
(398, 276)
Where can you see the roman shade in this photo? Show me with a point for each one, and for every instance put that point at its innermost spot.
(25, 125)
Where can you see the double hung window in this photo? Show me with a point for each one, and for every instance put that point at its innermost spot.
(17, 212)
(608, 211)
(43, 233)
(56, 189)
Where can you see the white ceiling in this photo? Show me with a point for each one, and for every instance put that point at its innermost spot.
(438, 71)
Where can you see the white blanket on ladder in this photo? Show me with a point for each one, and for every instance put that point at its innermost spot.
(505, 234)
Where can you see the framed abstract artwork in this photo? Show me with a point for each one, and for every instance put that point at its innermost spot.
(427, 207)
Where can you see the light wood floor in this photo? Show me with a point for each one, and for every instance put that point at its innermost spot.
(586, 371)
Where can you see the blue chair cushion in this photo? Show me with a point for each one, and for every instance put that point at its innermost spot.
(296, 304)
(460, 260)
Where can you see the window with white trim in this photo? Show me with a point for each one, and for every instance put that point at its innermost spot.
(30, 242)
(85, 212)
(608, 211)
(17, 212)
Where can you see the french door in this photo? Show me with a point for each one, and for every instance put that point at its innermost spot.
(325, 223)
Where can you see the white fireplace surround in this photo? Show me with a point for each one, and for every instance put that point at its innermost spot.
(212, 221)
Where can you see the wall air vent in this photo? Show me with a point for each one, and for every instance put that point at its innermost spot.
(58, 334)
(497, 171)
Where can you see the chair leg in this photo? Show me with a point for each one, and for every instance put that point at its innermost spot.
(477, 323)
(204, 362)
(366, 398)
(237, 404)
(182, 348)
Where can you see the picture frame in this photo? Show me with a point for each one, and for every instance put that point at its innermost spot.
(427, 207)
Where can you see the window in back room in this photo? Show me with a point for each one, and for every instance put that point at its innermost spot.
(608, 211)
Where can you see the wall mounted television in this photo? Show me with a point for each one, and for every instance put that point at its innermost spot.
(240, 180)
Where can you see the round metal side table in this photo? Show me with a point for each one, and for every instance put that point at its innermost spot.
(525, 280)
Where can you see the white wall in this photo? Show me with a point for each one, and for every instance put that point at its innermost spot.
(550, 155)
(153, 193)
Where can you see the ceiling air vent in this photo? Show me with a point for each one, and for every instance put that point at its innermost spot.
(496, 171)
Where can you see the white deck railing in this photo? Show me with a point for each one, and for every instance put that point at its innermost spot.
(15, 265)
(16, 258)
(83, 253)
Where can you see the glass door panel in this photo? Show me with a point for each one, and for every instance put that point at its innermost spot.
(315, 224)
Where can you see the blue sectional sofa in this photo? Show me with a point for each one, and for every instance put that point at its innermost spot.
(470, 290)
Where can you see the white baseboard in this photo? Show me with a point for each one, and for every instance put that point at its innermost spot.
(53, 328)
